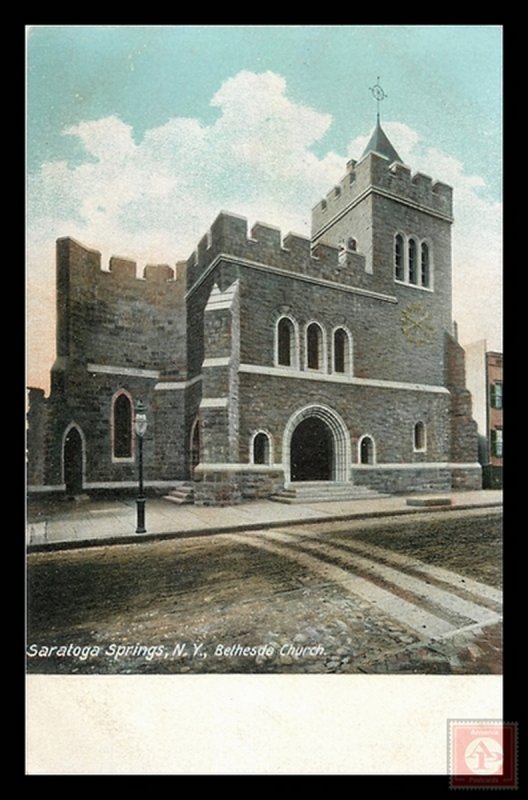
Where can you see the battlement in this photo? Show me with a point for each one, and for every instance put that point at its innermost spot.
(103, 314)
(86, 263)
(265, 244)
(376, 171)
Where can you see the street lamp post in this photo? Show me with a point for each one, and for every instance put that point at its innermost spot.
(140, 426)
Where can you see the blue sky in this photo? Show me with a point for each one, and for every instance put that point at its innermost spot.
(137, 136)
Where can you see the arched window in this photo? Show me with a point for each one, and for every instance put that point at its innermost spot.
(425, 271)
(261, 448)
(399, 271)
(366, 450)
(413, 267)
(122, 416)
(314, 346)
(352, 243)
(341, 351)
(419, 437)
(285, 342)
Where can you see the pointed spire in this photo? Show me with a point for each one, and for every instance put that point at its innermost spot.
(380, 143)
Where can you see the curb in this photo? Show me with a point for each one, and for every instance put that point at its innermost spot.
(252, 526)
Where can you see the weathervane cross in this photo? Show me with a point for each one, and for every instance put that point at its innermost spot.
(378, 94)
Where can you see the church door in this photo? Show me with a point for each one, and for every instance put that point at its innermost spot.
(312, 451)
(73, 461)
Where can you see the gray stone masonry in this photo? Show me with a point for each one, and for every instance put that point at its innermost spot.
(198, 344)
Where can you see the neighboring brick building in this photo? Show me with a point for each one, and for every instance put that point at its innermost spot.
(484, 380)
(267, 361)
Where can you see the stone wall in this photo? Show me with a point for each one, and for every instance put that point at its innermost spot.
(387, 415)
(114, 318)
(403, 481)
(37, 425)
(230, 487)
(464, 434)
(89, 407)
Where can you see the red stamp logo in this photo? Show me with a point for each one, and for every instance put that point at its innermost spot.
(482, 754)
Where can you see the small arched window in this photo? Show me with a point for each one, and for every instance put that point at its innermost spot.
(286, 340)
(261, 448)
(366, 450)
(399, 272)
(413, 267)
(341, 350)
(425, 271)
(122, 426)
(419, 436)
(314, 346)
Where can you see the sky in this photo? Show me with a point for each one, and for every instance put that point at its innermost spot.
(138, 136)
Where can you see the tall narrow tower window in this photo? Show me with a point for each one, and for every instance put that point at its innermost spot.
(122, 426)
(314, 346)
(413, 267)
(419, 437)
(399, 272)
(425, 272)
(342, 361)
(285, 342)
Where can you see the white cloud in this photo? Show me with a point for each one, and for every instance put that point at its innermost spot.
(153, 199)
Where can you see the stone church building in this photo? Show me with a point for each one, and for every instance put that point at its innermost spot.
(264, 361)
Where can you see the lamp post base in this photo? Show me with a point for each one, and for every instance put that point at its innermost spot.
(140, 505)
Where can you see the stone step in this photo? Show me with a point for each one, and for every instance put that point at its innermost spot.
(425, 502)
(318, 492)
(181, 495)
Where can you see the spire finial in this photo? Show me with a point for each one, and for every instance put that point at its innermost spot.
(378, 94)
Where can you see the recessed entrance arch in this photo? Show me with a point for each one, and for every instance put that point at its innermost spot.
(72, 460)
(312, 451)
(316, 446)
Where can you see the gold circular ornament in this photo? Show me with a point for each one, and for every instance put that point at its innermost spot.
(416, 324)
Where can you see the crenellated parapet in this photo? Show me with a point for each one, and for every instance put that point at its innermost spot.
(375, 172)
(86, 264)
(114, 316)
(264, 244)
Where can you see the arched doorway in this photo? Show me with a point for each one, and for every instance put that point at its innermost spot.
(73, 461)
(312, 451)
(316, 446)
(196, 445)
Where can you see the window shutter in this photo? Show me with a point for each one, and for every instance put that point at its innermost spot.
(493, 395)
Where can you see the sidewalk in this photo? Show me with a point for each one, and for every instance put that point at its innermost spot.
(95, 522)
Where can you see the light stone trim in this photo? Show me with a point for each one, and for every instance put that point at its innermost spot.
(237, 467)
(130, 484)
(214, 402)
(39, 487)
(175, 385)
(105, 369)
(416, 465)
(219, 300)
(220, 361)
(342, 448)
(374, 453)
(336, 377)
